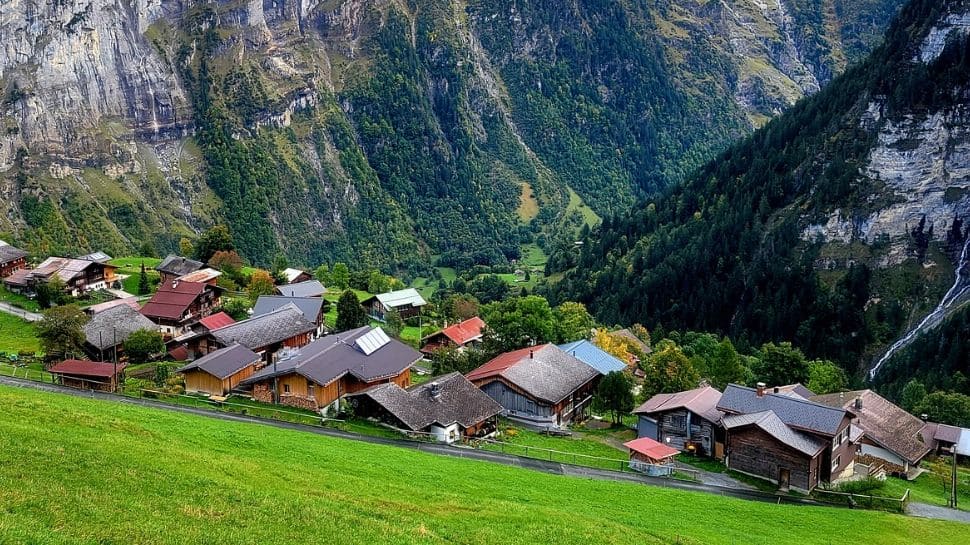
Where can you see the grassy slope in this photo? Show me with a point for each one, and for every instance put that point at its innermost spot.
(17, 335)
(928, 489)
(85, 471)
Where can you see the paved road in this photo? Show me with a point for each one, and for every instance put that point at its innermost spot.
(19, 312)
(466, 452)
(926, 510)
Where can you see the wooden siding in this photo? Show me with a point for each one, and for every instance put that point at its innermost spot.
(197, 380)
(512, 400)
(750, 450)
(679, 428)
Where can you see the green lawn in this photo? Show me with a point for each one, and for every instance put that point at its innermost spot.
(134, 262)
(17, 335)
(131, 267)
(571, 449)
(928, 489)
(76, 470)
(17, 300)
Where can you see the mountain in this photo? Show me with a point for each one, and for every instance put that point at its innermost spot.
(836, 226)
(389, 132)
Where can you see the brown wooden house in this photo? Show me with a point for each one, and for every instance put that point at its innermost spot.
(284, 329)
(177, 305)
(785, 438)
(79, 276)
(218, 372)
(542, 385)
(173, 267)
(319, 374)
(11, 259)
(687, 421)
(88, 375)
(407, 303)
(457, 336)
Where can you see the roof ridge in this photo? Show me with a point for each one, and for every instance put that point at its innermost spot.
(789, 398)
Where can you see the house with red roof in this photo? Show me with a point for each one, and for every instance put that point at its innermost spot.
(649, 456)
(197, 341)
(178, 305)
(542, 385)
(88, 375)
(457, 336)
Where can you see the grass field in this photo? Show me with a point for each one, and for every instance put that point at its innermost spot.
(17, 300)
(17, 335)
(576, 204)
(77, 470)
(927, 489)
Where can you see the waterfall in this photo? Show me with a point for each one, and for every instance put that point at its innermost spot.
(961, 285)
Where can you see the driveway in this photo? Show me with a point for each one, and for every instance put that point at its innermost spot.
(928, 511)
(19, 312)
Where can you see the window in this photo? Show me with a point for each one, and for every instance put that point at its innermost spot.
(842, 437)
(678, 422)
(286, 388)
(836, 462)
(309, 389)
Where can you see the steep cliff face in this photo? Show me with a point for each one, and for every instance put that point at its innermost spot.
(382, 130)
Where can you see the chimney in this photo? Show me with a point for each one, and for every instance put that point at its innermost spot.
(532, 353)
(858, 403)
(175, 283)
(924, 417)
(776, 390)
(435, 391)
(761, 389)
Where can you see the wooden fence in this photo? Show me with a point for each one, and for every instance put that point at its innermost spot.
(866, 501)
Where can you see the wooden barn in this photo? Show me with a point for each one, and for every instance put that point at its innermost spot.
(218, 372)
(88, 375)
(11, 259)
(542, 385)
(407, 303)
(173, 267)
(687, 421)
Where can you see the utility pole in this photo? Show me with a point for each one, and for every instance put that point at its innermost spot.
(953, 478)
(114, 377)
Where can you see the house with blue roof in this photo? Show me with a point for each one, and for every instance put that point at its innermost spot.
(594, 356)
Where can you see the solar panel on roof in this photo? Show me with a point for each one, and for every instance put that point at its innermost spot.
(371, 341)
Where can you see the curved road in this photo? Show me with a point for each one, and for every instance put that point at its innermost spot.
(7, 308)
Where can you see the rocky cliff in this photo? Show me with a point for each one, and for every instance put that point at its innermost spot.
(387, 131)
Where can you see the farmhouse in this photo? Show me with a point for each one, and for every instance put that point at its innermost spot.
(106, 331)
(79, 276)
(457, 336)
(173, 267)
(311, 307)
(218, 372)
(648, 456)
(884, 433)
(177, 305)
(784, 438)
(688, 421)
(98, 257)
(407, 303)
(594, 356)
(266, 334)
(541, 384)
(88, 375)
(294, 276)
(11, 259)
(318, 375)
(448, 407)
(309, 288)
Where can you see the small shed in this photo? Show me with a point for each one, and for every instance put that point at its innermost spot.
(218, 372)
(88, 375)
(646, 455)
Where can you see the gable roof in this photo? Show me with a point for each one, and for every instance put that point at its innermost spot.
(127, 301)
(545, 372)
(225, 362)
(594, 356)
(216, 321)
(173, 299)
(113, 326)
(309, 288)
(65, 268)
(97, 257)
(203, 275)
(884, 423)
(458, 401)
(18, 278)
(311, 307)
(629, 335)
(399, 298)
(798, 389)
(9, 253)
(700, 401)
(770, 423)
(84, 368)
(654, 450)
(178, 265)
(793, 411)
(292, 274)
(465, 332)
(263, 330)
(329, 358)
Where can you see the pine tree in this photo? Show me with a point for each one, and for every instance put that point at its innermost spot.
(143, 287)
(350, 314)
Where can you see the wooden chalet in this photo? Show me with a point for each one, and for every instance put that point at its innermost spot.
(79, 276)
(311, 307)
(173, 267)
(687, 421)
(197, 341)
(407, 303)
(319, 374)
(295, 276)
(457, 336)
(218, 372)
(448, 407)
(177, 305)
(88, 375)
(106, 331)
(11, 259)
(284, 329)
(649, 456)
(885, 435)
(785, 438)
(542, 385)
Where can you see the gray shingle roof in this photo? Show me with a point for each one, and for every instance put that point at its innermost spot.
(546, 372)
(225, 362)
(260, 331)
(178, 265)
(329, 358)
(793, 411)
(769, 422)
(310, 288)
(114, 326)
(883, 422)
(309, 306)
(9, 253)
(700, 401)
(459, 401)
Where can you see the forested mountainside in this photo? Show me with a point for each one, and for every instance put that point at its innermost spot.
(836, 226)
(393, 132)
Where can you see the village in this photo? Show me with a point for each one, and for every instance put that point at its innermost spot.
(307, 347)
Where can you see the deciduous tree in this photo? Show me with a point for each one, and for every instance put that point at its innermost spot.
(61, 331)
(615, 394)
(144, 345)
